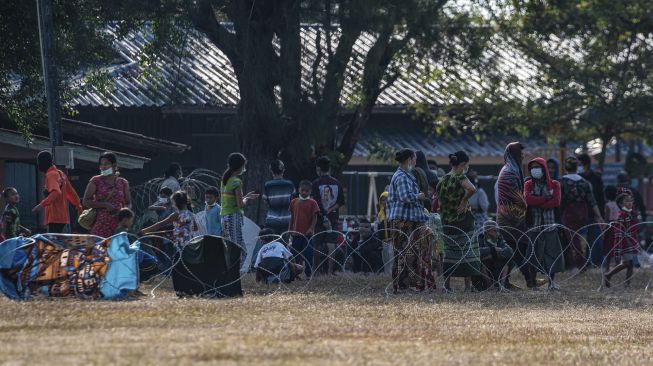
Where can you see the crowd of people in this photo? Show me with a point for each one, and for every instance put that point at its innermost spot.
(429, 224)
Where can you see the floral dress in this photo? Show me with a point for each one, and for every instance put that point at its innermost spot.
(184, 228)
(106, 222)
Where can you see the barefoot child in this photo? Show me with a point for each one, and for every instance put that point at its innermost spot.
(626, 237)
(11, 216)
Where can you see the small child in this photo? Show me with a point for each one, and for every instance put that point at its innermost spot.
(303, 217)
(182, 220)
(626, 237)
(611, 216)
(125, 220)
(213, 224)
(273, 260)
(163, 206)
(11, 216)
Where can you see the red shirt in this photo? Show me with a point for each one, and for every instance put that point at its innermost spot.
(303, 212)
(60, 191)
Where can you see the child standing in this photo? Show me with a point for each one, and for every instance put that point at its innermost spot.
(233, 201)
(626, 237)
(213, 224)
(125, 220)
(611, 215)
(303, 217)
(11, 216)
(182, 220)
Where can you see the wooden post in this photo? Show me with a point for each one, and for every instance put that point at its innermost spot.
(44, 9)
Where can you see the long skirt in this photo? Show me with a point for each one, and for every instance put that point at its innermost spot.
(461, 255)
(548, 256)
(232, 228)
(413, 251)
(574, 217)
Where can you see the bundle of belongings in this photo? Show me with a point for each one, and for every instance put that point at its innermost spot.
(208, 266)
(82, 266)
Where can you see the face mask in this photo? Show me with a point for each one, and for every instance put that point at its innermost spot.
(627, 209)
(537, 173)
(244, 171)
(303, 198)
(106, 172)
(581, 170)
(210, 204)
(466, 169)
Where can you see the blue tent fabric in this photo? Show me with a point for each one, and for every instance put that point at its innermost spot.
(10, 258)
(121, 277)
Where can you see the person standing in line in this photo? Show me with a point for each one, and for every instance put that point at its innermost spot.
(511, 211)
(542, 196)
(413, 241)
(278, 194)
(577, 201)
(212, 208)
(594, 237)
(58, 192)
(303, 217)
(478, 202)
(461, 251)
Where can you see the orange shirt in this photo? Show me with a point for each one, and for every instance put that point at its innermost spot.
(303, 212)
(60, 192)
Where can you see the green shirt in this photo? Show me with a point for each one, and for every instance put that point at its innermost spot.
(11, 217)
(228, 195)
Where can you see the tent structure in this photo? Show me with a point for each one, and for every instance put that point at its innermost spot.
(208, 266)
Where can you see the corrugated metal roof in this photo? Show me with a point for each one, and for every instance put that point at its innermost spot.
(203, 75)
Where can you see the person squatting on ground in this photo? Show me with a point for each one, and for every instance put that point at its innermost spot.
(273, 261)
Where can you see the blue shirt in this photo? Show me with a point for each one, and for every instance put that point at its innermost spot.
(213, 226)
(278, 193)
(403, 201)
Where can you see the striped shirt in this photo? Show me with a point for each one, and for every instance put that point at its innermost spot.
(403, 202)
(278, 194)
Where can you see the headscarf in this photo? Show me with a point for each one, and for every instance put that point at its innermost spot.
(547, 175)
(420, 162)
(513, 158)
(556, 174)
(381, 215)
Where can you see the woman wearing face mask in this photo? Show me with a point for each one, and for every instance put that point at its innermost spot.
(233, 201)
(542, 195)
(461, 252)
(107, 193)
(412, 240)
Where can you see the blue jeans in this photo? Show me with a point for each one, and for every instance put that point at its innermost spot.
(302, 251)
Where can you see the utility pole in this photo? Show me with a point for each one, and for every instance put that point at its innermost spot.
(46, 36)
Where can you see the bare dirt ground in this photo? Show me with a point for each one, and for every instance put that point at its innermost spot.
(349, 319)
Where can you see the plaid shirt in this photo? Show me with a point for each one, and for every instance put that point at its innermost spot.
(626, 234)
(542, 219)
(402, 198)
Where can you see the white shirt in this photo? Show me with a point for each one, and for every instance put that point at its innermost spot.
(272, 249)
(172, 183)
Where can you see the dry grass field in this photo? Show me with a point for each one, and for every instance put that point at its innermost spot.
(339, 320)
